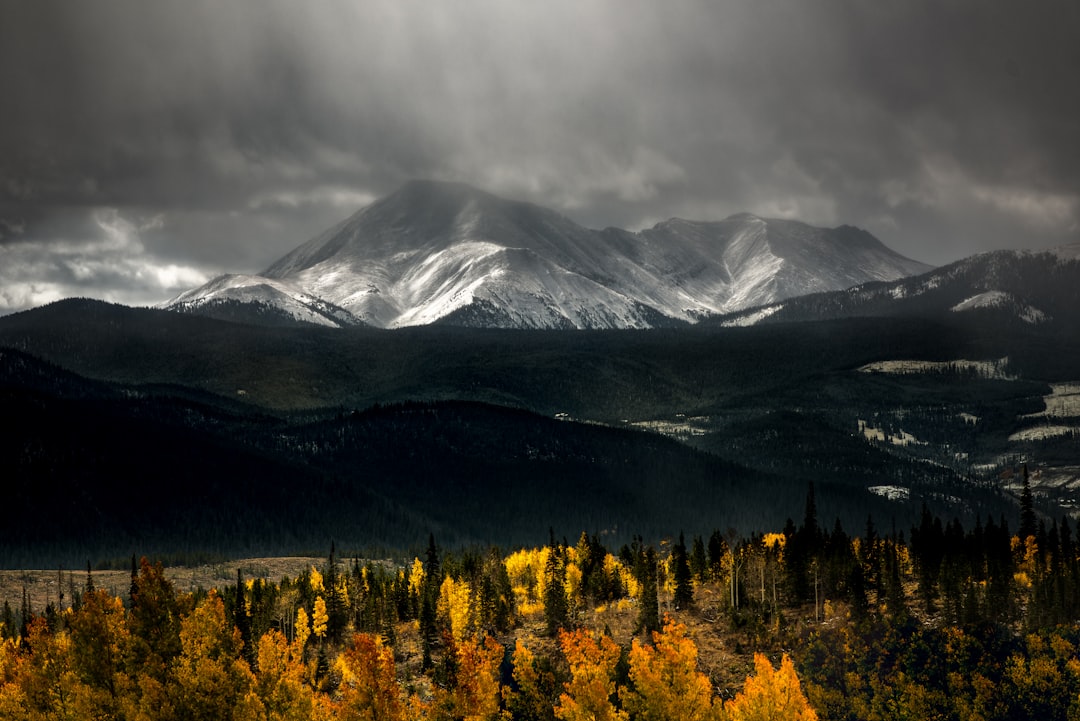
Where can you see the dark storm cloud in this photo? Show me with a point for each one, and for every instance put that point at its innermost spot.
(217, 136)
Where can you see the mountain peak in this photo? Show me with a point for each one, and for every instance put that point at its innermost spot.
(438, 249)
(744, 217)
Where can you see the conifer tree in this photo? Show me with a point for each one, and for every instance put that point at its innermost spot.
(1028, 521)
(241, 619)
(648, 606)
(699, 562)
(429, 598)
(684, 587)
(556, 607)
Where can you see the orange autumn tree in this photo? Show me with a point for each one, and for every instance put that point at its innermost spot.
(369, 687)
(592, 678)
(475, 696)
(770, 695)
(666, 682)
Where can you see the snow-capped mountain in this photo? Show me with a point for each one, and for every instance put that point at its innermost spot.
(437, 252)
(260, 299)
(1029, 287)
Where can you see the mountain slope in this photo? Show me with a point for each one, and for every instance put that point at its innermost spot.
(1025, 288)
(114, 471)
(262, 300)
(446, 252)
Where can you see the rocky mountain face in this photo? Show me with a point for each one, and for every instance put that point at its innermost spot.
(437, 252)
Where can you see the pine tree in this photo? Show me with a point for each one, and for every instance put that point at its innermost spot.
(648, 619)
(429, 597)
(699, 562)
(337, 614)
(684, 586)
(241, 619)
(1028, 521)
(556, 607)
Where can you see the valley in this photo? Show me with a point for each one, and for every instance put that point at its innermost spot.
(489, 435)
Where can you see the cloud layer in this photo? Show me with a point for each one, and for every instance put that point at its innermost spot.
(226, 134)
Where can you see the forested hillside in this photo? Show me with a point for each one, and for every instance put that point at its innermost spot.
(943, 621)
(264, 441)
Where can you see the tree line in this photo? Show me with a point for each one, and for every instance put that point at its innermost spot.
(940, 622)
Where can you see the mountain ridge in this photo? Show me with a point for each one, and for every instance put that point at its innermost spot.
(1031, 287)
(433, 250)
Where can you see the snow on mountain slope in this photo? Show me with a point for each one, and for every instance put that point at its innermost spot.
(997, 299)
(446, 252)
(264, 294)
(1034, 287)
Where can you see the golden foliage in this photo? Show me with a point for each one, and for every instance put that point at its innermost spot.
(770, 695)
(592, 659)
(319, 618)
(455, 605)
(666, 682)
(416, 576)
(303, 628)
(316, 581)
(211, 681)
(279, 682)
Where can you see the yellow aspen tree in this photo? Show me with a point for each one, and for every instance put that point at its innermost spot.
(416, 576)
(319, 618)
(316, 581)
(210, 681)
(475, 696)
(573, 582)
(455, 605)
(13, 672)
(591, 686)
(533, 697)
(628, 580)
(666, 682)
(279, 682)
(48, 681)
(525, 568)
(369, 687)
(303, 628)
(770, 695)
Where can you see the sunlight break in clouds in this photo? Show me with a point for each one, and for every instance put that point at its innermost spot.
(113, 257)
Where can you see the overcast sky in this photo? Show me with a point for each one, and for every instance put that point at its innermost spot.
(147, 146)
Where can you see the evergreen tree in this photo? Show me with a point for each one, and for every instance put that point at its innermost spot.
(336, 612)
(699, 561)
(717, 551)
(648, 606)
(1028, 521)
(7, 623)
(684, 587)
(429, 596)
(241, 619)
(556, 607)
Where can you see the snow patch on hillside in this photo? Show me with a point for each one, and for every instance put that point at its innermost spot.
(892, 493)
(1041, 433)
(1001, 299)
(753, 317)
(996, 369)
